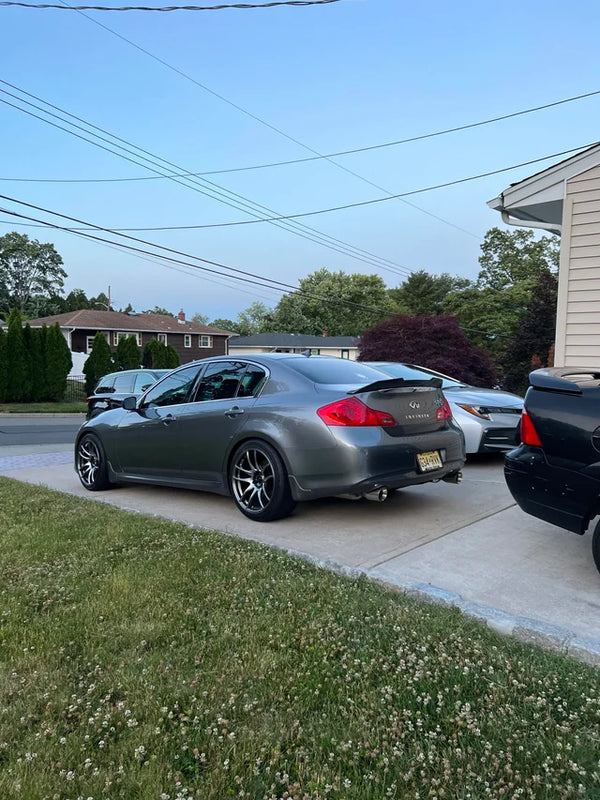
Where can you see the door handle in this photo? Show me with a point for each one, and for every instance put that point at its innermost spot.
(168, 419)
(234, 411)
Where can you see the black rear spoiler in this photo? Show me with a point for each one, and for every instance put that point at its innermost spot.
(397, 383)
(563, 379)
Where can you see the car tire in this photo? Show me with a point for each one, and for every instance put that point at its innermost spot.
(91, 463)
(596, 545)
(259, 483)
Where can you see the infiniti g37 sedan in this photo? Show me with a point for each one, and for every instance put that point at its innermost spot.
(274, 429)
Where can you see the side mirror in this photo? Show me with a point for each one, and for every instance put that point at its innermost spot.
(130, 403)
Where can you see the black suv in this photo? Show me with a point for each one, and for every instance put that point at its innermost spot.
(114, 387)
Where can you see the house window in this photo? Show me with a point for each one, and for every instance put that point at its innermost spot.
(187, 339)
(345, 353)
(162, 337)
(89, 343)
(205, 341)
(118, 335)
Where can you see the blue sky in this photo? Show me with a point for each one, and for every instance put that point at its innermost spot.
(335, 77)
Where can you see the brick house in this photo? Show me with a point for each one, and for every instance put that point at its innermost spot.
(191, 340)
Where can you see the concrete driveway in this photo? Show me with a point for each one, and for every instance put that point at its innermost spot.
(465, 545)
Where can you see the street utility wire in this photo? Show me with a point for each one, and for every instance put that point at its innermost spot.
(247, 279)
(289, 162)
(220, 7)
(237, 273)
(201, 185)
(262, 121)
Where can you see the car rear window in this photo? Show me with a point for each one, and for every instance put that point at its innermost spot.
(334, 370)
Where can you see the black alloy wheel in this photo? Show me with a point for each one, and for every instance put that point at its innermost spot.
(91, 463)
(259, 482)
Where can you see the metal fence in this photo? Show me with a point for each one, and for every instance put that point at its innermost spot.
(75, 390)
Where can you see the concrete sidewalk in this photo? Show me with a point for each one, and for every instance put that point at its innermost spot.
(466, 545)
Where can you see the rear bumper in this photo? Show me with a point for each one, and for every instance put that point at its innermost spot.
(355, 467)
(563, 497)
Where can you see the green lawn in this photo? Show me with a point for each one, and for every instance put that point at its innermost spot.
(141, 658)
(43, 408)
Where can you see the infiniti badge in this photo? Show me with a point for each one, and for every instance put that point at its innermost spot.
(414, 404)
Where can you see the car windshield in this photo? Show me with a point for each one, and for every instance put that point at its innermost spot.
(411, 373)
(334, 370)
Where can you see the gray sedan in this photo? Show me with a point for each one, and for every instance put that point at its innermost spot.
(274, 429)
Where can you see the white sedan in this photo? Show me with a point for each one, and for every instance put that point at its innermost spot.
(489, 418)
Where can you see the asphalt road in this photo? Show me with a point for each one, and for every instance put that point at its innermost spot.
(17, 431)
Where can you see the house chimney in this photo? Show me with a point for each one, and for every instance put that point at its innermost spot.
(181, 317)
(324, 333)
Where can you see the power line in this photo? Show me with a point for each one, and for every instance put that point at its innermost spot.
(220, 7)
(237, 273)
(262, 121)
(358, 204)
(289, 162)
(201, 185)
(136, 251)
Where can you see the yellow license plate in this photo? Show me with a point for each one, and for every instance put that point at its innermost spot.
(429, 461)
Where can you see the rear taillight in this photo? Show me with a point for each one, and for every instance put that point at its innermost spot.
(351, 412)
(528, 432)
(444, 411)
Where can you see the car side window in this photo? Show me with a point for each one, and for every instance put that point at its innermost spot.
(142, 382)
(106, 385)
(174, 389)
(252, 381)
(220, 381)
(123, 383)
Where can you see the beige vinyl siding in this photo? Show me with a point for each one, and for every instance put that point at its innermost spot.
(578, 313)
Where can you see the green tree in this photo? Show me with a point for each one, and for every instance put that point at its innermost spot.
(509, 258)
(127, 355)
(534, 338)
(58, 363)
(424, 293)
(225, 324)
(159, 355)
(199, 318)
(3, 367)
(252, 319)
(76, 300)
(158, 310)
(37, 371)
(18, 372)
(172, 357)
(29, 270)
(43, 376)
(336, 303)
(35, 364)
(511, 264)
(98, 363)
(100, 303)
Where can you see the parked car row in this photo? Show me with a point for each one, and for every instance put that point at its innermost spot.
(275, 429)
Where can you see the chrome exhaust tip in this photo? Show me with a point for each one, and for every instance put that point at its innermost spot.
(377, 495)
(453, 477)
